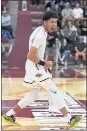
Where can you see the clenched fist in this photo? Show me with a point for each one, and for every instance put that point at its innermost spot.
(48, 64)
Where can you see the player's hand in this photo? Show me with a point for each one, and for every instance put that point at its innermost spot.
(48, 64)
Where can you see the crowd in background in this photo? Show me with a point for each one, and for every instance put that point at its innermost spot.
(71, 31)
(6, 24)
(69, 40)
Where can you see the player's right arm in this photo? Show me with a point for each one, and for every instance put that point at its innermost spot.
(33, 57)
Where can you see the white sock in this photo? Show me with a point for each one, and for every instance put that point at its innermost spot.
(10, 112)
(68, 117)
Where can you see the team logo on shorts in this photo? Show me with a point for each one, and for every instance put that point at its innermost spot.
(38, 75)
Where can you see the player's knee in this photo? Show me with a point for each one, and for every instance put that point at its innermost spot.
(30, 98)
(83, 54)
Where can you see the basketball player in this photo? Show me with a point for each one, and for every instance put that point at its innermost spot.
(37, 74)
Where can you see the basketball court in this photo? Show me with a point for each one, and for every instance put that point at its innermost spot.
(38, 116)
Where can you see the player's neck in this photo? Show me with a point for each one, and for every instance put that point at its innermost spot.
(45, 28)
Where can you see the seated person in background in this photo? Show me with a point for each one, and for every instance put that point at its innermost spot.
(58, 10)
(82, 30)
(65, 50)
(73, 39)
(80, 51)
(65, 30)
(78, 12)
(71, 25)
(67, 12)
(51, 47)
(83, 27)
(6, 22)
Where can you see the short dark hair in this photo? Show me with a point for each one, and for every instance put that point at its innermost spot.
(49, 14)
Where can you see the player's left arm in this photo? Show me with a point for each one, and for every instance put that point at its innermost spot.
(32, 55)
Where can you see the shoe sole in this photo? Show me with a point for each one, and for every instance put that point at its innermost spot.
(10, 123)
(77, 122)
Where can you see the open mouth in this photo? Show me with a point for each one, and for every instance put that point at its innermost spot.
(52, 29)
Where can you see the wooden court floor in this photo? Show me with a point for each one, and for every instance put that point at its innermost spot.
(70, 81)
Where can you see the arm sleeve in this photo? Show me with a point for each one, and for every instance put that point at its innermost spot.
(37, 42)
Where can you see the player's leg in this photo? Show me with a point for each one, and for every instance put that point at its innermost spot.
(53, 107)
(30, 97)
(58, 100)
(54, 93)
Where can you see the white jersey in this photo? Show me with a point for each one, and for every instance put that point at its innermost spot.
(38, 40)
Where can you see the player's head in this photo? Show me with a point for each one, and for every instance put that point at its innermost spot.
(50, 20)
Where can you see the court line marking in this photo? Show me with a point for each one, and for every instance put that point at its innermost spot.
(80, 72)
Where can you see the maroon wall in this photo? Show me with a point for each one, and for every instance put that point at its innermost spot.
(18, 55)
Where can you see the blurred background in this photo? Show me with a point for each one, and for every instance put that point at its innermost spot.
(20, 18)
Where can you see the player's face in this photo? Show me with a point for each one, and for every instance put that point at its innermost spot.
(51, 24)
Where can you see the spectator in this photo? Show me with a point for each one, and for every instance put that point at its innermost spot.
(73, 39)
(83, 27)
(71, 25)
(65, 50)
(66, 31)
(80, 51)
(58, 10)
(67, 12)
(6, 22)
(51, 46)
(78, 12)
